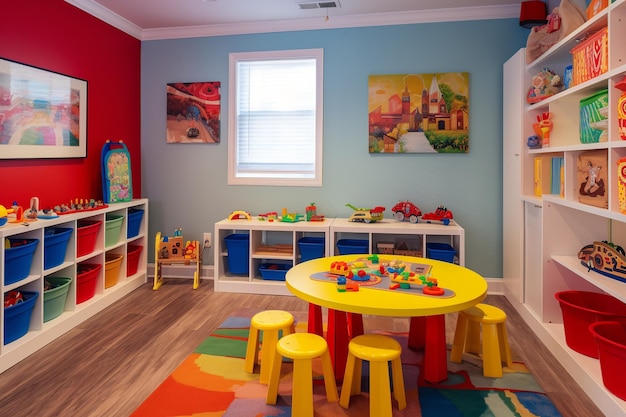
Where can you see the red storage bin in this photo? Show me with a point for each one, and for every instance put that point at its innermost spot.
(132, 259)
(86, 281)
(611, 339)
(582, 308)
(87, 236)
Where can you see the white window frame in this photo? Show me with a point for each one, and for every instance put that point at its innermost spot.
(236, 178)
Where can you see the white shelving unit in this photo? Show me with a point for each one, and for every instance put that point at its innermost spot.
(393, 231)
(262, 232)
(282, 233)
(41, 333)
(543, 234)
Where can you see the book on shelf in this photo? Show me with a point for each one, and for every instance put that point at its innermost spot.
(556, 180)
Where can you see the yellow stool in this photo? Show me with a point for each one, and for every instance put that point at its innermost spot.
(495, 343)
(271, 322)
(378, 350)
(302, 348)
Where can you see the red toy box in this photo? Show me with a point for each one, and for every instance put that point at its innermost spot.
(591, 57)
(87, 236)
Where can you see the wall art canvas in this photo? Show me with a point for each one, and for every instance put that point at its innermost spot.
(419, 113)
(43, 114)
(193, 112)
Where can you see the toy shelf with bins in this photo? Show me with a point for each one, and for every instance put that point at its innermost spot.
(42, 331)
(268, 242)
(542, 234)
(285, 235)
(391, 230)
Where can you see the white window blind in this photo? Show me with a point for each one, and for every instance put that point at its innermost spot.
(275, 118)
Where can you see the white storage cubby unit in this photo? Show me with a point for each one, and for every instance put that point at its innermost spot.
(288, 234)
(544, 233)
(41, 331)
(413, 236)
(262, 233)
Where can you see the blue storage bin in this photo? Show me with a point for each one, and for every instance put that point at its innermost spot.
(274, 272)
(55, 241)
(440, 252)
(238, 246)
(17, 317)
(352, 246)
(18, 257)
(311, 248)
(134, 222)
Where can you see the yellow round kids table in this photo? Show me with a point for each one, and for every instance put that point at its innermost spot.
(465, 288)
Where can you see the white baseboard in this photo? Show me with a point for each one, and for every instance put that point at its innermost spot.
(495, 285)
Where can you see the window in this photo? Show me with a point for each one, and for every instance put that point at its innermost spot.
(275, 118)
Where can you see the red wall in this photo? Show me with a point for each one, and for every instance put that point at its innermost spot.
(57, 36)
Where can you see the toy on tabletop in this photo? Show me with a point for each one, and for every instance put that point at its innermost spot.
(169, 250)
(543, 127)
(238, 215)
(341, 268)
(440, 216)
(311, 214)
(606, 258)
(406, 210)
(341, 284)
(366, 215)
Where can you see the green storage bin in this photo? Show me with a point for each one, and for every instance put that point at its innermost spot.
(113, 228)
(594, 122)
(54, 298)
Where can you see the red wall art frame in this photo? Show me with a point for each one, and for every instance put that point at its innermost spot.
(193, 112)
(43, 114)
(419, 113)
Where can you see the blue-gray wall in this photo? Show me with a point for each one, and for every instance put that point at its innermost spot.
(187, 184)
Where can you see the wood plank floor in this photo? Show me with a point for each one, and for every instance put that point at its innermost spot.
(110, 363)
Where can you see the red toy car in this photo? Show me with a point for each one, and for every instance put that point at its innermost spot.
(442, 215)
(405, 210)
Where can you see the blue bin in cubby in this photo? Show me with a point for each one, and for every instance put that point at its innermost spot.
(134, 222)
(17, 317)
(18, 257)
(311, 248)
(352, 246)
(238, 246)
(55, 241)
(274, 271)
(440, 252)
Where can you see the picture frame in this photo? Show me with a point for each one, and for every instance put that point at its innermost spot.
(418, 113)
(193, 112)
(43, 114)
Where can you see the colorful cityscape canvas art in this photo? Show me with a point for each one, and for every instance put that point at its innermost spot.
(419, 113)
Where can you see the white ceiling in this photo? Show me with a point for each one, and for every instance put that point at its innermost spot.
(164, 19)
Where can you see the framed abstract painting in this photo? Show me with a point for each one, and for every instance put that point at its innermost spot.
(193, 112)
(43, 114)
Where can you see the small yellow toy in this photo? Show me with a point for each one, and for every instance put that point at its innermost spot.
(169, 250)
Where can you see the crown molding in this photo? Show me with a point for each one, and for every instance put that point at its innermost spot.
(318, 23)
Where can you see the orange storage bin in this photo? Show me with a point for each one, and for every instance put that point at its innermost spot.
(86, 281)
(132, 259)
(112, 269)
(591, 57)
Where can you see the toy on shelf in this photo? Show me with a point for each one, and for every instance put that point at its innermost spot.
(440, 216)
(170, 251)
(543, 127)
(291, 217)
(621, 184)
(4, 215)
(238, 215)
(604, 258)
(311, 214)
(270, 216)
(366, 215)
(79, 205)
(405, 210)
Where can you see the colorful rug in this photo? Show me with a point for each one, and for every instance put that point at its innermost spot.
(211, 382)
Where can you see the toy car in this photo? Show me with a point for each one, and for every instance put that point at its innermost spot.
(366, 215)
(405, 210)
(442, 215)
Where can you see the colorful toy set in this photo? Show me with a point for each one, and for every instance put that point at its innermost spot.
(287, 217)
(605, 258)
(170, 250)
(406, 210)
(383, 273)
